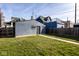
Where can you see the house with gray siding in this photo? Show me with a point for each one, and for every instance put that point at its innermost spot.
(29, 27)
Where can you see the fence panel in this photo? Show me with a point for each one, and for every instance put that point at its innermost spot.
(65, 31)
(7, 32)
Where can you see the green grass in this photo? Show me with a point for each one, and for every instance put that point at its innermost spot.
(36, 46)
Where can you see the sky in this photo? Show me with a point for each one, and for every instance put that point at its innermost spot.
(26, 10)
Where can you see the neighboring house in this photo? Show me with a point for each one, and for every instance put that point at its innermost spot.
(59, 23)
(40, 19)
(50, 23)
(44, 20)
(54, 24)
(29, 27)
(68, 24)
(64, 24)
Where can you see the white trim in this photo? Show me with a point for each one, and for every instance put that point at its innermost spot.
(25, 35)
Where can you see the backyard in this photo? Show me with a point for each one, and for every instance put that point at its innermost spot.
(36, 46)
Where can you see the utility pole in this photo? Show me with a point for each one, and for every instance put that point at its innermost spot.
(67, 18)
(75, 12)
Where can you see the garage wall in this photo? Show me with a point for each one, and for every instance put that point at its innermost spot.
(24, 28)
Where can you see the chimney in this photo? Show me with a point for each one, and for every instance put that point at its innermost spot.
(32, 18)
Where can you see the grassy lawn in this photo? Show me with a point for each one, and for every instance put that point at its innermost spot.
(36, 46)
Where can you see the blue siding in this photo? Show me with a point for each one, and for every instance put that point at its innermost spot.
(51, 25)
(54, 24)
